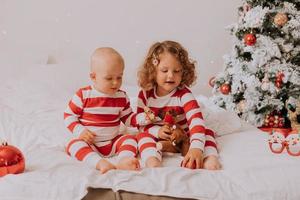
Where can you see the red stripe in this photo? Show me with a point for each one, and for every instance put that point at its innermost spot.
(75, 109)
(133, 120)
(196, 115)
(83, 152)
(190, 105)
(67, 115)
(99, 117)
(147, 127)
(127, 147)
(79, 93)
(107, 124)
(123, 138)
(71, 143)
(210, 144)
(180, 93)
(105, 102)
(126, 106)
(150, 93)
(147, 145)
(209, 132)
(197, 129)
(72, 126)
(141, 96)
(140, 110)
(125, 117)
(144, 135)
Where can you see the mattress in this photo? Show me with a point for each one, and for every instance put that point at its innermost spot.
(31, 118)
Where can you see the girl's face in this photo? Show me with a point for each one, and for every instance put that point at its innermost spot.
(168, 74)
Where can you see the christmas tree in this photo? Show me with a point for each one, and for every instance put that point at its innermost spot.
(261, 79)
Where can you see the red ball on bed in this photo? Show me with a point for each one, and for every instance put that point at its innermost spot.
(11, 160)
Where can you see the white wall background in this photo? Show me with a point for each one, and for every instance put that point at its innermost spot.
(69, 30)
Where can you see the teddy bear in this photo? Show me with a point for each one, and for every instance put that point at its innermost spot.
(179, 140)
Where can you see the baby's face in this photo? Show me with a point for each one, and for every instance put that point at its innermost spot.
(108, 78)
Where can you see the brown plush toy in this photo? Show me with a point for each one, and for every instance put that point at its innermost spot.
(179, 141)
(294, 115)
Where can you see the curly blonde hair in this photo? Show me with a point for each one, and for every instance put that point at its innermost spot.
(147, 71)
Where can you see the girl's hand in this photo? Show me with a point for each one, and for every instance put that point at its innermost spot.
(193, 159)
(164, 133)
(87, 136)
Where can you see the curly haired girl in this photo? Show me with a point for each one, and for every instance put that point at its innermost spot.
(164, 77)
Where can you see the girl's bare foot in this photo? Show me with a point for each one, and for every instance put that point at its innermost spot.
(128, 163)
(153, 162)
(103, 166)
(211, 163)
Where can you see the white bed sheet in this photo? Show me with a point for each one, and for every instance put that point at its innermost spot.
(250, 171)
(31, 119)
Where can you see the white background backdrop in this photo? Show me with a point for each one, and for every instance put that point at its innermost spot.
(62, 31)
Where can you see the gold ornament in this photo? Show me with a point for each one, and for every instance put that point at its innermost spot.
(241, 106)
(280, 19)
(265, 83)
(293, 116)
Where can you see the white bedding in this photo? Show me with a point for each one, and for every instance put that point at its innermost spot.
(32, 121)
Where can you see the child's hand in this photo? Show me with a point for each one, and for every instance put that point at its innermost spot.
(87, 136)
(193, 159)
(164, 132)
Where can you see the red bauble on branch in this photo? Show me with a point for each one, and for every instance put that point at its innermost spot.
(250, 39)
(225, 88)
(11, 160)
(274, 120)
(279, 79)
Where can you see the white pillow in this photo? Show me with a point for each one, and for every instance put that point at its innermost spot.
(29, 132)
(43, 86)
(219, 120)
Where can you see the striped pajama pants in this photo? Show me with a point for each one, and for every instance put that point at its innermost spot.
(147, 145)
(122, 146)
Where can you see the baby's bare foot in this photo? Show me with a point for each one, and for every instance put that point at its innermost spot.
(103, 166)
(212, 163)
(128, 163)
(153, 162)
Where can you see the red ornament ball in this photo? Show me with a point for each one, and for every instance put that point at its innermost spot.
(279, 76)
(11, 160)
(225, 88)
(250, 39)
(278, 84)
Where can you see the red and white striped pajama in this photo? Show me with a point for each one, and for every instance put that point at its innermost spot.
(189, 117)
(101, 114)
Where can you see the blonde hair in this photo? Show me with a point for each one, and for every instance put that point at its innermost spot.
(147, 71)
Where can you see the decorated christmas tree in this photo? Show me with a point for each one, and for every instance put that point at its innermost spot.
(261, 79)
